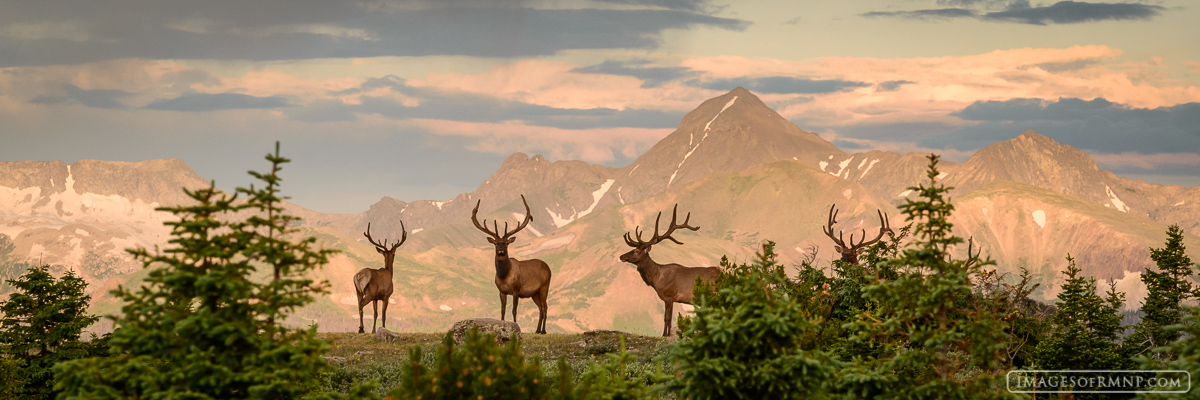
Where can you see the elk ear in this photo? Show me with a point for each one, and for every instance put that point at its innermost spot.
(379, 250)
(492, 241)
(511, 240)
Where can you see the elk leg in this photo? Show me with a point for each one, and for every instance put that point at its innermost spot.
(515, 298)
(374, 314)
(384, 319)
(503, 305)
(667, 318)
(360, 317)
(541, 303)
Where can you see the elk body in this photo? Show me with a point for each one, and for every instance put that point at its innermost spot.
(518, 278)
(375, 285)
(850, 253)
(672, 282)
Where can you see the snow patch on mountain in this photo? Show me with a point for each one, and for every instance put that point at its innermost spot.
(823, 164)
(417, 230)
(872, 164)
(693, 150)
(1179, 204)
(1039, 217)
(439, 204)
(905, 193)
(1116, 202)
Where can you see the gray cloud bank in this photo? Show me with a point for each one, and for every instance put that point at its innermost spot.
(1063, 12)
(44, 33)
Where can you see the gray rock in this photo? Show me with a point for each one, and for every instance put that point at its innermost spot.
(335, 359)
(386, 335)
(363, 353)
(504, 330)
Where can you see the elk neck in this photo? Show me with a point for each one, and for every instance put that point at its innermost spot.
(649, 270)
(503, 267)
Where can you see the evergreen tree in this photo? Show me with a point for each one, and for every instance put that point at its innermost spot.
(199, 326)
(1181, 355)
(746, 340)
(41, 326)
(940, 339)
(1084, 332)
(1167, 289)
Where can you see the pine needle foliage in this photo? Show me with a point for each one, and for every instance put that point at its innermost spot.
(201, 325)
(479, 368)
(1167, 288)
(941, 338)
(42, 323)
(1084, 332)
(746, 338)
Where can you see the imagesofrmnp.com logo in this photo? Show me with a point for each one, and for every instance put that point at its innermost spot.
(1097, 381)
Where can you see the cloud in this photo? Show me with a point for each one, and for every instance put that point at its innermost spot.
(427, 103)
(696, 6)
(260, 31)
(889, 86)
(1096, 124)
(650, 76)
(940, 13)
(1019, 11)
(1071, 12)
(781, 84)
(607, 145)
(204, 102)
(95, 98)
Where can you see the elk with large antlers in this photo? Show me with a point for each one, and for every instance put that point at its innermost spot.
(375, 285)
(850, 253)
(519, 278)
(672, 282)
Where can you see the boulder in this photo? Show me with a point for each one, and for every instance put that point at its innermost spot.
(335, 359)
(386, 335)
(503, 330)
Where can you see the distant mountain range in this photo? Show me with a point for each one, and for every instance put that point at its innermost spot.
(745, 173)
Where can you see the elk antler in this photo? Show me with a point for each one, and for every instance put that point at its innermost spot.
(854, 248)
(972, 258)
(384, 247)
(494, 232)
(657, 238)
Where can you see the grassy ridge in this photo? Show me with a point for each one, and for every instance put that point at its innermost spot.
(367, 358)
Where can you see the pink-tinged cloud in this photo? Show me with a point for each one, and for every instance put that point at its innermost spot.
(937, 86)
(1193, 65)
(591, 145)
(1145, 161)
(552, 84)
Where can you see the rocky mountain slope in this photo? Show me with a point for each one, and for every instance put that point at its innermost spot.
(744, 173)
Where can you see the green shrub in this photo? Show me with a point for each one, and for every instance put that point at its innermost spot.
(746, 339)
(479, 368)
(41, 326)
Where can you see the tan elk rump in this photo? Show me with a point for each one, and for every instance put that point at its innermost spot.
(518, 278)
(673, 283)
(375, 285)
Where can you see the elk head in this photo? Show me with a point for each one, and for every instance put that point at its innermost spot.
(494, 236)
(850, 253)
(389, 252)
(641, 248)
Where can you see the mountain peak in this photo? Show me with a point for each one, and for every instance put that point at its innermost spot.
(726, 133)
(1033, 159)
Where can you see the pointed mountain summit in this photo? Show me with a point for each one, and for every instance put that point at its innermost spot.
(727, 133)
(1034, 159)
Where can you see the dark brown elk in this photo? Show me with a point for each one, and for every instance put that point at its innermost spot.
(375, 285)
(850, 253)
(519, 278)
(672, 282)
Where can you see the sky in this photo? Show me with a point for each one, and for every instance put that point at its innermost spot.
(423, 100)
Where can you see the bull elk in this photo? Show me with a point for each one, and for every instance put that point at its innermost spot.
(672, 282)
(375, 285)
(850, 253)
(519, 278)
